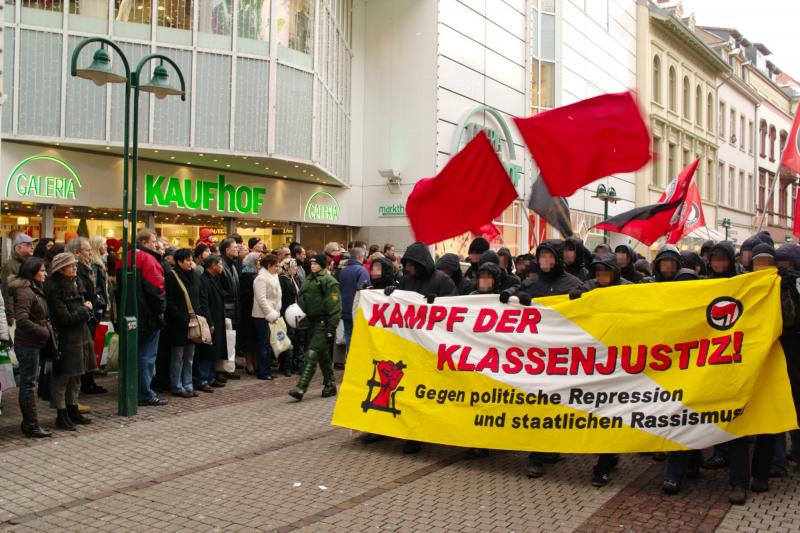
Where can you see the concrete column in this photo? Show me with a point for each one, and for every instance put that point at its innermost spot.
(230, 225)
(297, 232)
(149, 221)
(48, 213)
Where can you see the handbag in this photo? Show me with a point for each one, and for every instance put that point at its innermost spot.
(198, 330)
(279, 337)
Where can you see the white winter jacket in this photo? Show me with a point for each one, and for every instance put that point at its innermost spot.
(266, 296)
(4, 336)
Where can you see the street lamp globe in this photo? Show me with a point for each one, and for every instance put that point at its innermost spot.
(159, 84)
(100, 71)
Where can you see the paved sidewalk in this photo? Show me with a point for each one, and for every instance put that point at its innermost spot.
(248, 458)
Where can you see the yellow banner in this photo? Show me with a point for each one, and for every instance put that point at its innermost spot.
(654, 367)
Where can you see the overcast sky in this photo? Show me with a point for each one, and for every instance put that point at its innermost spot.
(775, 23)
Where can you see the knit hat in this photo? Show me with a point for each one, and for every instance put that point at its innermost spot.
(320, 259)
(62, 260)
(252, 241)
(763, 250)
(478, 246)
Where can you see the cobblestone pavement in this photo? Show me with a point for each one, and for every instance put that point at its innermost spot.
(248, 458)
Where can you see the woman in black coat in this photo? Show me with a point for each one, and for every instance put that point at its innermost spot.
(177, 318)
(291, 360)
(246, 332)
(70, 315)
(212, 307)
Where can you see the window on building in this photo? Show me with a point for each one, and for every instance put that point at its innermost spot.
(543, 80)
(721, 177)
(741, 199)
(762, 136)
(731, 186)
(771, 189)
(687, 111)
(772, 135)
(710, 112)
(749, 204)
(762, 189)
(698, 106)
(174, 19)
(685, 158)
(733, 137)
(657, 79)
(783, 137)
(750, 136)
(711, 189)
(295, 27)
(215, 23)
(88, 15)
(132, 19)
(252, 26)
(782, 201)
(792, 211)
(721, 119)
(673, 97)
(741, 132)
(48, 13)
(656, 170)
(672, 162)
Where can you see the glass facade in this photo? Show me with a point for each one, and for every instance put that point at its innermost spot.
(294, 103)
(543, 51)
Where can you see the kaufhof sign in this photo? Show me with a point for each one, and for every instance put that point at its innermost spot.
(498, 132)
(204, 195)
(43, 177)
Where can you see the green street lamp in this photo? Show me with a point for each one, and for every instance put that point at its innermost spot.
(607, 195)
(100, 72)
(727, 224)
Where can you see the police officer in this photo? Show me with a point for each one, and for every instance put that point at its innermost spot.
(323, 305)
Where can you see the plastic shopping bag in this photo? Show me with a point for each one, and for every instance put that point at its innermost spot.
(278, 337)
(111, 353)
(6, 372)
(229, 365)
(340, 333)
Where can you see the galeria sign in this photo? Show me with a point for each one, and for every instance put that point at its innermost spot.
(44, 176)
(655, 367)
(188, 193)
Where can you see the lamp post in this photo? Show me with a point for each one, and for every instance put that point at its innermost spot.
(607, 195)
(100, 72)
(727, 224)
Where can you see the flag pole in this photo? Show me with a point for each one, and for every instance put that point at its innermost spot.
(771, 188)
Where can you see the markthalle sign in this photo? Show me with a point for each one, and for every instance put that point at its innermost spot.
(498, 132)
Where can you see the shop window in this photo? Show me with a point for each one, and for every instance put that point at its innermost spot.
(132, 19)
(215, 22)
(656, 79)
(46, 13)
(88, 15)
(253, 26)
(174, 20)
(295, 27)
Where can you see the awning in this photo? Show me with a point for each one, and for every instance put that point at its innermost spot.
(706, 233)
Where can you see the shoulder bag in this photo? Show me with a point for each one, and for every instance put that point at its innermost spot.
(198, 331)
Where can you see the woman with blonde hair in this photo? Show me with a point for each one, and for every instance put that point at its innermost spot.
(291, 361)
(102, 286)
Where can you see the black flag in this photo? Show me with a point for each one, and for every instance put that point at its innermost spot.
(553, 209)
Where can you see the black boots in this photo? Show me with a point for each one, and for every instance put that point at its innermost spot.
(76, 416)
(30, 423)
(63, 421)
(305, 378)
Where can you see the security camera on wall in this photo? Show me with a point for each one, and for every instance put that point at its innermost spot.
(391, 175)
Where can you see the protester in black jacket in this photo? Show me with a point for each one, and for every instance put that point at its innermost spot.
(705, 251)
(450, 265)
(382, 273)
(626, 258)
(476, 248)
(420, 274)
(666, 264)
(212, 307)
(722, 261)
(694, 262)
(490, 277)
(551, 277)
(576, 258)
(605, 272)
(177, 318)
(507, 281)
(506, 261)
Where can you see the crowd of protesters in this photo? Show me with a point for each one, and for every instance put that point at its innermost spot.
(57, 294)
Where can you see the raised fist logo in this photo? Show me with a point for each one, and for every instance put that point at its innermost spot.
(386, 376)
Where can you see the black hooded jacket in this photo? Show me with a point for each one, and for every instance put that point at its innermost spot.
(505, 252)
(725, 247)
(427, 280)
(629, 272)
(668, 251)
(583, 258)
(495, 271)
(507, 281)
(687, 274)
(556, 281)
(450, 265)
(609, 261)
(388, 275)
(790, 251)
(693, 261)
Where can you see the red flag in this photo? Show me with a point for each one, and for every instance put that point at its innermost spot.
(689, 216)
(471, 190)
(577, 144)
(646, 224)
(791, 153)
(487, 231)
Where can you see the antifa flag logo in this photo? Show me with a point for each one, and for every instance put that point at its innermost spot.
(723, 313)
(388, 374)
(670, 190)
(694, 215)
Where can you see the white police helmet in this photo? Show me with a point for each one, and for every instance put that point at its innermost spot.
(295, 317)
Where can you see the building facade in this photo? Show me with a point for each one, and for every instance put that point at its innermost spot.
(679, 72)
(268, 95)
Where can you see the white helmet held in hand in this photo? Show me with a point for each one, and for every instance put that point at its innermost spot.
(295, 317)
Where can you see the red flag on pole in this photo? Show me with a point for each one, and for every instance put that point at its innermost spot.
(791, 153)
(579, 143)
(646, 224)
(689, 215)
(471, 190)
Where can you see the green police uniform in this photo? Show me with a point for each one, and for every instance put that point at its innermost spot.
(323, 305)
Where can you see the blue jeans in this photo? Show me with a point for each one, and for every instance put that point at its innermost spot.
(148, 350)
(348, 334)
(28, 370)
(180, 370)
(205, 371)
(263, 349)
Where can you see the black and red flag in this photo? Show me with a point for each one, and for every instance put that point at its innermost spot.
(646, 224)
(791, 161)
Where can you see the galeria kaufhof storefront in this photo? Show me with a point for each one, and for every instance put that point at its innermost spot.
(49, 192)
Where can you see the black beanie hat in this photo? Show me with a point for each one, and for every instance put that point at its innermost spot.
(252, 241)
(478, 246)
(320, 259)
